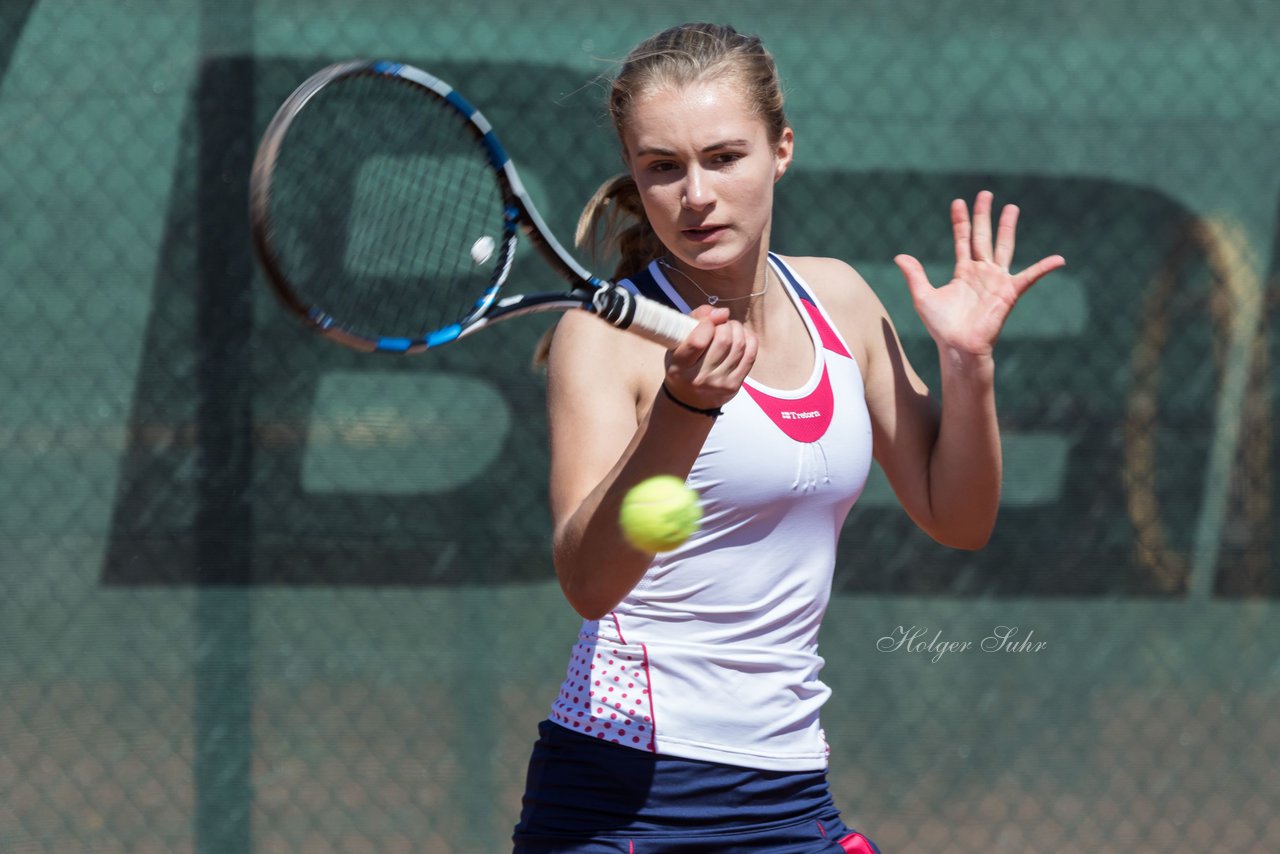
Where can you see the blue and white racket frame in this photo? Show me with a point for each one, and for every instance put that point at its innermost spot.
(612, 303)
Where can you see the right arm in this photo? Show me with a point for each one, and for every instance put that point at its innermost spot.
(611, 427)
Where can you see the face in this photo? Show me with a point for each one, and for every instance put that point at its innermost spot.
(705, 168)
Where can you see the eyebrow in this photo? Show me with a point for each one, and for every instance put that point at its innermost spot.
(666, 152)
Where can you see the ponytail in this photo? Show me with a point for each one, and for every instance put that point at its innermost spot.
(636, 245)
(602, 230)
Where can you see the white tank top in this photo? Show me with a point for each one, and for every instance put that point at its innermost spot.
(714, 653)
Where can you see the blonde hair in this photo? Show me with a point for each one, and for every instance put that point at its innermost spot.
(613, 220)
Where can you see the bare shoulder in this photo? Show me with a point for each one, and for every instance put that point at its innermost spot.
(847, 297)
(589, 360)
(837, 284)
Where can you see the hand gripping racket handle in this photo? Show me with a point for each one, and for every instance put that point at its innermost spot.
(644, 317)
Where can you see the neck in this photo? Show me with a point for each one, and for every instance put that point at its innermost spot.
(722, 288)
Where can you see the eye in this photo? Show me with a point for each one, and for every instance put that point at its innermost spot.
(726, 158)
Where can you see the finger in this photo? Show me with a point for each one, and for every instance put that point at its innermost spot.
(715, 315)
(1032, 274)
(718, 350)
(737, 346)
(745, 359)
(695, 344)
(917, 280)
(1006, 233)
(960, 229)
(982, 226)
(710, 381)
(699, 338)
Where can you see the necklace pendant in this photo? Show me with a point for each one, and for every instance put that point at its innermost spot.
(712, 299)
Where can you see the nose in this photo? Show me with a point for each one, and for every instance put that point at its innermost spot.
(698, 192)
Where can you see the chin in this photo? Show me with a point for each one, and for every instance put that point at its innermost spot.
(708, 257)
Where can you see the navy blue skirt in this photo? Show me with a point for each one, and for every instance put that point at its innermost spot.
(587, 796)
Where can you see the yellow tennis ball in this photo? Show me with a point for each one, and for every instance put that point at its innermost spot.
(659, 514)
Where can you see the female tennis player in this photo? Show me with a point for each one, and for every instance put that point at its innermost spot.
(688, 719)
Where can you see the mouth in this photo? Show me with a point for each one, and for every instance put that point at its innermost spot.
(703, 233)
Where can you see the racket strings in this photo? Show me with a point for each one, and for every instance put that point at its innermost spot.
(378, 196)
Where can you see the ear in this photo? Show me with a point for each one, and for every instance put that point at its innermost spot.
(783, 152)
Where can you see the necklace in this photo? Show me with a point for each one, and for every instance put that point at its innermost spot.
(712, 299)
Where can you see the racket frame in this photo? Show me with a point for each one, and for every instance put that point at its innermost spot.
(613, 303)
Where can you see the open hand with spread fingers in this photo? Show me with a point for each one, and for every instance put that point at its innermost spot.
(966, 314)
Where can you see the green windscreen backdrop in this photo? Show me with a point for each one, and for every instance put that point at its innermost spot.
(260, 593)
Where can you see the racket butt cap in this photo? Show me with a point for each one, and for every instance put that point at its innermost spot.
(644, 317)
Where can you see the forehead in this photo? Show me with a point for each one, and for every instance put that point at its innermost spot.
(696, 114)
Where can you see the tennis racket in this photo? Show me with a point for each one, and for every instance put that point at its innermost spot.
(385, 213)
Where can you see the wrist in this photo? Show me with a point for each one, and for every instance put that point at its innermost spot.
(715, 412)
(967, 364)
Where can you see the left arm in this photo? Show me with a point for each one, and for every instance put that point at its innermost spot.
(943, 461)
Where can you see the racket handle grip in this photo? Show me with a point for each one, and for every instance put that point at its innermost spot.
(644, 317)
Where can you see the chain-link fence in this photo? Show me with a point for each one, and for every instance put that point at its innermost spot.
(263, 594)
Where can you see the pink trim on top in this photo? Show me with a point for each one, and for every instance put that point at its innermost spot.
(617, 625)
(827, 335)
(804, 419)
(653, 715)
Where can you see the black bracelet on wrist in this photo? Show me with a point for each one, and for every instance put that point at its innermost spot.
(710, 413)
